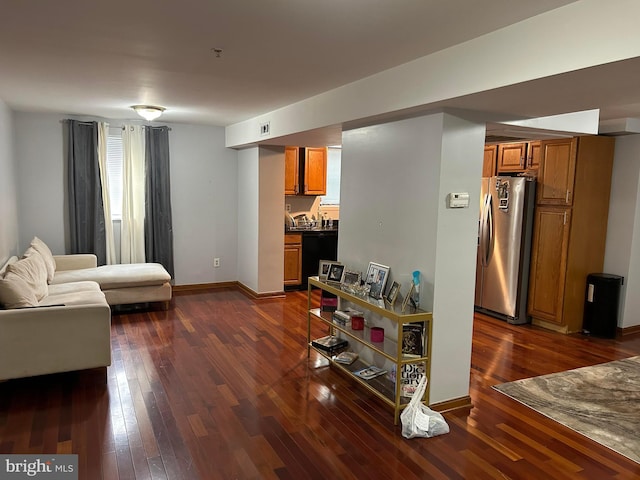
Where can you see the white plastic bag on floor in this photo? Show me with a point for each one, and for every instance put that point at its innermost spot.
(418, 420)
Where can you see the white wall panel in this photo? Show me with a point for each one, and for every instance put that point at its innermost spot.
(395, 178)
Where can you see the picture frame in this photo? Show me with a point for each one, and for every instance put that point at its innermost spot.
(393, 293)
(407, 297)
(376, 278)
(335, 272)
(323, 269)
(351, 278)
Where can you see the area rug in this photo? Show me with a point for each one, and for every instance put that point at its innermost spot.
(601, 402)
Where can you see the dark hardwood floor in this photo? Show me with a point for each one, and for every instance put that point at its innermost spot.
(220, 387)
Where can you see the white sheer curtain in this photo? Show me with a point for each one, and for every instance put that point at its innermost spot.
(133, 195)
(103, 133)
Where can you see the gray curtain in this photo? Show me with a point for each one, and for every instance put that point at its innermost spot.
(86, 214)
(158, 229)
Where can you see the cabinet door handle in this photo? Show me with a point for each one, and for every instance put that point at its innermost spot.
(564, 221)
(567, 197)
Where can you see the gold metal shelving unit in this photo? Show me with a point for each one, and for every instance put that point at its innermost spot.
(391, 349)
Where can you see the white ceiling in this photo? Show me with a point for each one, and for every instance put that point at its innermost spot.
(81, 57)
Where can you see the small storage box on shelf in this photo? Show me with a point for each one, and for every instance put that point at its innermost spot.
(390, 349)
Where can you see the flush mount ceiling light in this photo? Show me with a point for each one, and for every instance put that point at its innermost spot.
(148, 112)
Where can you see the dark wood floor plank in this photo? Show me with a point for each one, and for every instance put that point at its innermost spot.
(219, 386)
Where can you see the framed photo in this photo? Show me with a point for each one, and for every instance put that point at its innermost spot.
(377, 279)
(349, 277)
(393, 293)
(335, 272)
(323, 269)
(405, 302)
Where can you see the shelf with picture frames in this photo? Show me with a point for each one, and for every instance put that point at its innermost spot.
(389, 350)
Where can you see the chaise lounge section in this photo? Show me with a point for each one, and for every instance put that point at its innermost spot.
(121, 284)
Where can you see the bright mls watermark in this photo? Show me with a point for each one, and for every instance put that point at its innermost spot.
(50, 467)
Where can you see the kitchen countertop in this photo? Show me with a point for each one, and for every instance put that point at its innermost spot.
(311, 231)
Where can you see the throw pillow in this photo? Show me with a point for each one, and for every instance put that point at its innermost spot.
(16, 293)
(47, 256)
(34, 272)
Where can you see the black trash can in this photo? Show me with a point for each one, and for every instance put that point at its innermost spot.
(602, 298)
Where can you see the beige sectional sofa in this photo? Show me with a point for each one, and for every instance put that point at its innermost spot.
(55, 313)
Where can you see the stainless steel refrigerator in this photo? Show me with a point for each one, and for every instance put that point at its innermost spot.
(504, 247)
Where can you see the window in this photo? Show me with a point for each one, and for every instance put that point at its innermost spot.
(114, 171)
(334, 159)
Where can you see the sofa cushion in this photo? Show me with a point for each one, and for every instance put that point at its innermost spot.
(34, 272)
(117, 276)
(47, 256)
(73, 287)
(83, 297)
(15, 292)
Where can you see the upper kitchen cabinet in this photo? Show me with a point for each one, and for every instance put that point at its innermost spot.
(557, 177)
(305, 171)
(518, 157)
(489, 163)
(534, 154)
(291, 175)
(315, 171)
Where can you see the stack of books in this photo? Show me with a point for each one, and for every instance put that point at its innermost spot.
(343, 317)
(346, 358)
(330, 344)
(370, 372)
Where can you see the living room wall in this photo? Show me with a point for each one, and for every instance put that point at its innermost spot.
(8, 196)
(622, 255)
(203, 194)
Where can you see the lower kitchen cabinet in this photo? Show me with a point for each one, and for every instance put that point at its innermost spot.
(549, 264)
(292, 259)
(303, 252)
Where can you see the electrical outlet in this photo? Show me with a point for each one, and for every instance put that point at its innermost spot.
(265, 128)
(287, 207)
(216, 262)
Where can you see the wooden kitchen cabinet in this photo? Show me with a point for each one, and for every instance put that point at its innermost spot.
(315, 171)
(512, 157)
(534, 154)
(305, 171)
(489, 162)
(556, 179)
(518, 157)
(570, 229)
(292, 259)
(549, 250)
(291, 175)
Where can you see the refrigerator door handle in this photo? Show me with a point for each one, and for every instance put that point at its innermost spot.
(488, 249)
(483, 232)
